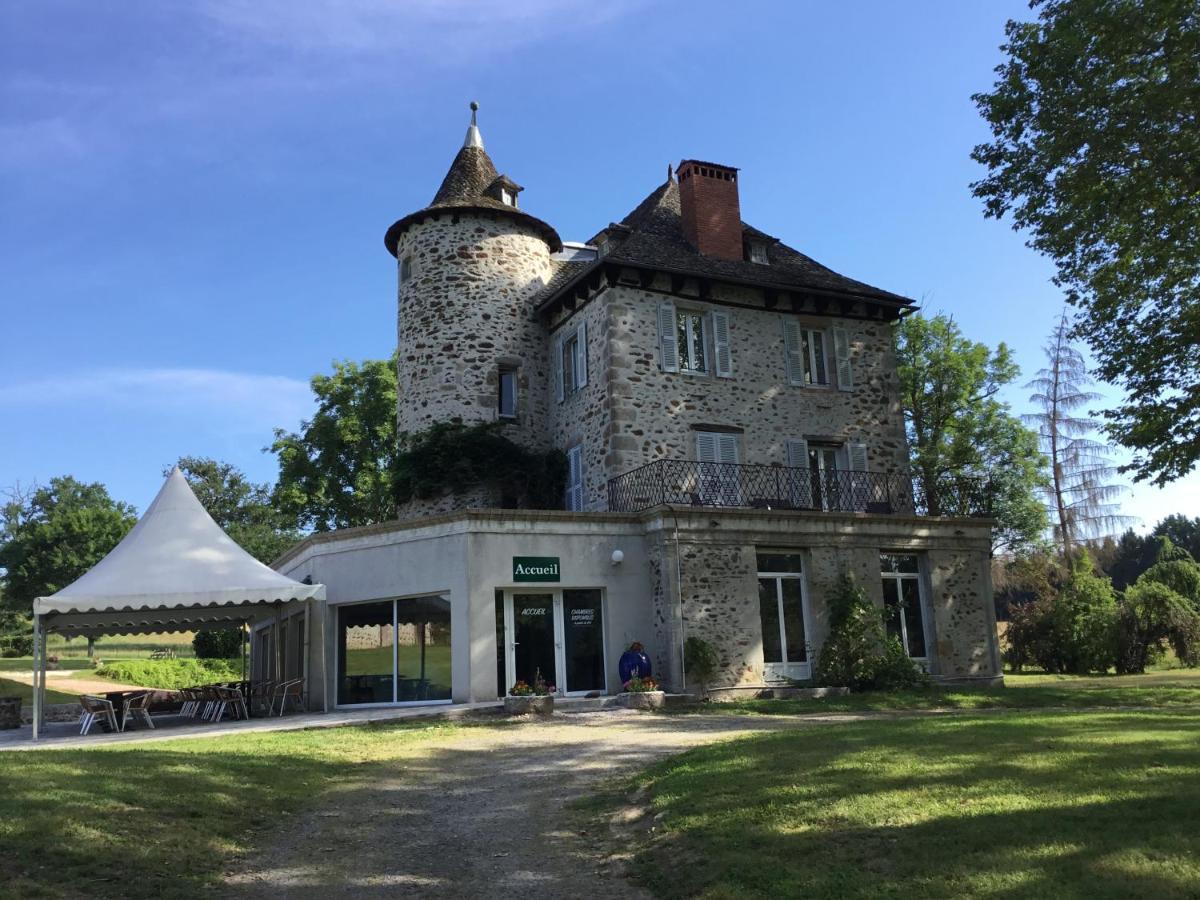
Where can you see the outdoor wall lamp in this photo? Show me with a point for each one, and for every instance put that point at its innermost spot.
(617, 557)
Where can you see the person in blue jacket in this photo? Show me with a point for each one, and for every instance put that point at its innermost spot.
(634, 661)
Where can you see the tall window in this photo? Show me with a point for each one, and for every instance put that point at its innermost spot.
(508, 394)
(406, 270)
(569, 358)
(903, 607)
(782, 615)
(395, 651)
(806, 359)
(693, 344)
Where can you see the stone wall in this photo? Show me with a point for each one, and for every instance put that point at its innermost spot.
(463, 314)
(632, 412)
(718, 590)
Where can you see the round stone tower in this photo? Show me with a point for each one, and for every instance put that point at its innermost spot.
(470, 264)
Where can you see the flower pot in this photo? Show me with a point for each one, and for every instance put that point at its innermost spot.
(642, 699)
(536, 704)
(10, 712)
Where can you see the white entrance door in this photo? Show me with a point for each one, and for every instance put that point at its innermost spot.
(783, 609)
(557, 634)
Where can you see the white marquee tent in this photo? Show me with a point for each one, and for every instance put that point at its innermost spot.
(175, 571)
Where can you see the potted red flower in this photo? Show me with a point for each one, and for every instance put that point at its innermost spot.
(524, 698)
(642, 693)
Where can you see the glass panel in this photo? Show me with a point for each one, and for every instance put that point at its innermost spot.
(891, 607)
(422, 649)
(818, 344)
(697, 350)
(365, 653)
(898, 562)
(771, 561)
(583, 628)
(913, 617)
(533, 621)
(508, 393)
(793, 620)
(568, 365)
(685, 346)
(768, 610)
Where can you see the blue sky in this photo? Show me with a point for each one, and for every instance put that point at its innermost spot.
(193, 195)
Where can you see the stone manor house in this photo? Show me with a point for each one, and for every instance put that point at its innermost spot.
(729, 409)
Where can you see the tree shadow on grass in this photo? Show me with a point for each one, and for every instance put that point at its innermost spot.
(1054, 805)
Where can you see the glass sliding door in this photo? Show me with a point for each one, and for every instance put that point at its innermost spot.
(366, 653)
(583, 641)
(422, 649)
(394, 651)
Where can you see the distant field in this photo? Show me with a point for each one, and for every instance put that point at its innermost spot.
(137, 646)
(9, 688)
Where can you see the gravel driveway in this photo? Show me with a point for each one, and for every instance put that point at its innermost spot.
(479, 814)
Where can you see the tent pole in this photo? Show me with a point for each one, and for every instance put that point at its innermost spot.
(37, 692)
(277, 641)
(305, 645)
(242, 632)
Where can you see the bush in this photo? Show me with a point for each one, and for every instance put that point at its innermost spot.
(1151, 616)
(14, 645)
(171, 674)
(1074, 632)
(1180, 575)
(700, 661)
(858, 653)
(224, 644)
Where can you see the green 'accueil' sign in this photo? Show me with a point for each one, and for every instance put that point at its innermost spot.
(535, 568)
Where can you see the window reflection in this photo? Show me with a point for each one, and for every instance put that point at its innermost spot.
(394, 651)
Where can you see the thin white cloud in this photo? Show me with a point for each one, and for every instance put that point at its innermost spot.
(241, 400)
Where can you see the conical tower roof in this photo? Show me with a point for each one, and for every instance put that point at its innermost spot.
(470, 185)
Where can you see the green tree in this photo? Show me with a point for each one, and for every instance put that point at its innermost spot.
(1095, 118)
(52, 535)
(1081, 485)
(337, 471)
(242, 508)
(957, 427)
(1183, 531)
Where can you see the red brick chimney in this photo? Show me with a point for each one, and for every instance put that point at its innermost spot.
(712, 215)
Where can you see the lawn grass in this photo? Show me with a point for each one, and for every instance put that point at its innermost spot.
(169, 818)
(1165, 688)
(10, 688)
(1029, 803)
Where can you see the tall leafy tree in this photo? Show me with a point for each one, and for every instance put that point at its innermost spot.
(1081, 488)
(242, 508)
(958, 427)
(1183, 531)
(51, 535)
(337, 471)
(1095, 118)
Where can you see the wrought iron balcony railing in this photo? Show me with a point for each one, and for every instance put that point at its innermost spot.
(684, 482)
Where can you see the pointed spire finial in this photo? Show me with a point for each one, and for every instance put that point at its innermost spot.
(670, 171)
(474, 138)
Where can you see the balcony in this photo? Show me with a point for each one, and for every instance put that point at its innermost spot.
(684, 482)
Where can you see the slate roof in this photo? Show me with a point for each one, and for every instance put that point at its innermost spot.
(564, 273)
(652, 236)
(463, 188)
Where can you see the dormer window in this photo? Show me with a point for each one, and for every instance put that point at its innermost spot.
(756, 252)
(507, 197)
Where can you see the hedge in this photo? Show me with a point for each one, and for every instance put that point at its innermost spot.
(172, 674)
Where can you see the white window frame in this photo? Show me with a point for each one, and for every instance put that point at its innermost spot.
(714, 449)
(922, 603)
(758, 253)
(800, 354)
(576, 496)
(781, 671)
(688, 318)
(507, 197)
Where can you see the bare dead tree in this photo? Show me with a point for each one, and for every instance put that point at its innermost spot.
(1082, 487)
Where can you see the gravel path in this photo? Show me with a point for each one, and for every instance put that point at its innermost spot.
(479, 814)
